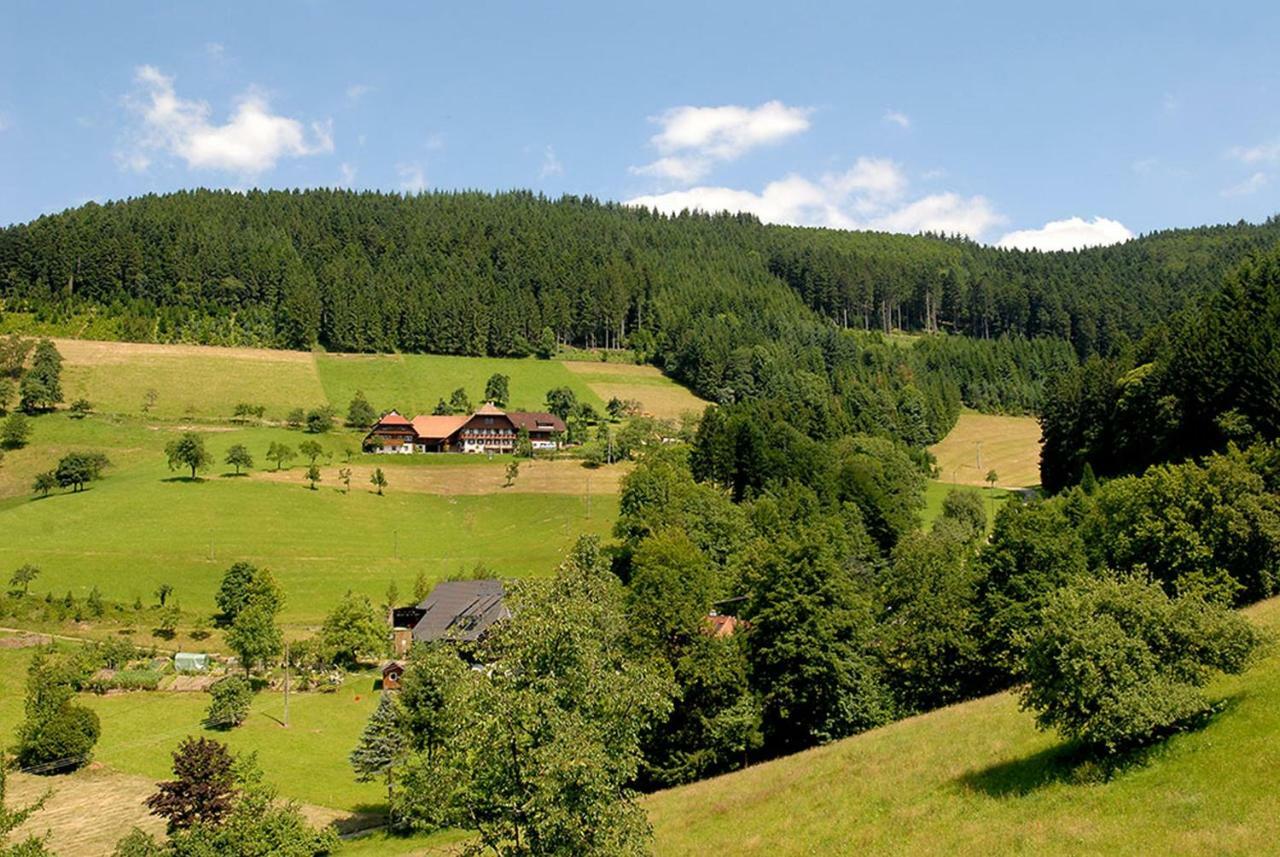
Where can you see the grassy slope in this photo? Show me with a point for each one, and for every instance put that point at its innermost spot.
(1009, 445)
(209, 382)
(140, 526)
(977, 778)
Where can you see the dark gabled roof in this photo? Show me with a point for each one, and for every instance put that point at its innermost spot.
(461, 610)
(536, 420)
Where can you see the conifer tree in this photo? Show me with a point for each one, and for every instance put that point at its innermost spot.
(381, 744)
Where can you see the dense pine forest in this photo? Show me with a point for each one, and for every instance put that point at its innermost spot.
(736, 309)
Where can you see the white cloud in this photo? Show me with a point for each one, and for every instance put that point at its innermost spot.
(693, 139)
(1262, 153)
(551, 165)
(348, 173)
(897, 117)
(356, 91)
(1144, 166)
(1069, 234)
(216, 51)
(681, 170)
(412, 179)
(1252, 184)
(872, 194)
(250, 142)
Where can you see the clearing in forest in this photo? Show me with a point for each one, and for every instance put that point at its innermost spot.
(982, 442)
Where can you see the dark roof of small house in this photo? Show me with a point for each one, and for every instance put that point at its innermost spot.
(536, 420)
(460, 610)
(393, 665)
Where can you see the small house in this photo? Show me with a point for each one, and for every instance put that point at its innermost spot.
(460, 611)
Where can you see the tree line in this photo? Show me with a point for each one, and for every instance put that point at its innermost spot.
(1208, 379)
(725, 304)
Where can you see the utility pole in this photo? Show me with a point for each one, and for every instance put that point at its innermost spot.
(286, 684)
(979, 443)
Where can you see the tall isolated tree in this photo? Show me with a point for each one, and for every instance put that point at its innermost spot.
(188, 451)
(498, 389)
(313, 475)
(41, 385)
(378, 480)
(354, 631)
(360, 414)
(254, 635)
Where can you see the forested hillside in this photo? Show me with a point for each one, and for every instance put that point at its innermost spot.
(704, 297)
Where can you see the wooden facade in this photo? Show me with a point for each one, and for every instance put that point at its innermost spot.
(488, 430)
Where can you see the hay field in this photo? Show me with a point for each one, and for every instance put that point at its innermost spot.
(980, 442)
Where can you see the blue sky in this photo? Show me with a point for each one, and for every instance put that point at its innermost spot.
(1003, 121)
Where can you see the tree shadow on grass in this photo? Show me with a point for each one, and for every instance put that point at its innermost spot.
(233, 475)
(191, 479)
(1074, 763)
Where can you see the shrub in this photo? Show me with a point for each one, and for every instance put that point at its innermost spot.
(230, 705)
(64, 742)
(1117, 663)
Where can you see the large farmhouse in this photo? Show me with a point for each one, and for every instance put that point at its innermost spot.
(459, 611)
(489, 429)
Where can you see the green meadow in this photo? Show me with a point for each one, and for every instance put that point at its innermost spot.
(143, 525)
(978, 778)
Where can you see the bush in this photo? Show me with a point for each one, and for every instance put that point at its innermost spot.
(230, 706)
(1117, 663)
(64, 741)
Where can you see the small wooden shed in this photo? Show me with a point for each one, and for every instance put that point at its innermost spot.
(391, 673)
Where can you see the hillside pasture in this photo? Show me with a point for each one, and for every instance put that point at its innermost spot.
(657, 394)
(981, 442)
(207, 382)
(978, 778)
(143, 524)
(189, 380)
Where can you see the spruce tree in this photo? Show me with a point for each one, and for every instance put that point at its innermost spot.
(381, 744)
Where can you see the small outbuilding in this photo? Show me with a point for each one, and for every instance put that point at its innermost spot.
(191, 662)
(391, 673)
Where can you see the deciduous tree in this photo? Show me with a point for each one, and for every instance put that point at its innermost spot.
(239, 457)
(188, 451)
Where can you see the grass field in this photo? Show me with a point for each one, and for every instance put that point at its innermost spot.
(980, 442)
(144, 525)
(935, 492)
(977, 778)
(208, 382)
